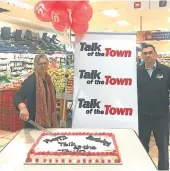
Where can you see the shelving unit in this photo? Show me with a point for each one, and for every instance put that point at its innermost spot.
(164, 58)
(15, 64)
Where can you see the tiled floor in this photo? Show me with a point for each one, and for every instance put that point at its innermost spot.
(6, 137)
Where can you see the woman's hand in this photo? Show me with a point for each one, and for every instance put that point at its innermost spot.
(24, 114)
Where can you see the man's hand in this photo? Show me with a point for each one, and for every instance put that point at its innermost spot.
(24, 114)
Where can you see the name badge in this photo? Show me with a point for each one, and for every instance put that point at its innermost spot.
(159, 76)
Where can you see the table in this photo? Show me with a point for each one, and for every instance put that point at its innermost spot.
(134, 157)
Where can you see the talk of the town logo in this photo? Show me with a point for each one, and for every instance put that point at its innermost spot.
(94, 49)
(93, 106)
(94, 77)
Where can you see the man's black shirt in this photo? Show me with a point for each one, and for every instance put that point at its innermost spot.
(153, 92)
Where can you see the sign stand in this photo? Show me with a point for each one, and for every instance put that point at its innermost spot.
(100, 93)
(63, 123)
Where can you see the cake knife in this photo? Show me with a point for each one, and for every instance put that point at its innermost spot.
(39, 127)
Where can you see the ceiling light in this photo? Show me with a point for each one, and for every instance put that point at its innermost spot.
(111, 13)
(122, 23)
(18, 3)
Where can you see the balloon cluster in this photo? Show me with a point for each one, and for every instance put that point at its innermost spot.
(65, 14)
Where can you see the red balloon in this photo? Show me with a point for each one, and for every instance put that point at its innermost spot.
(78, 38)
(83, 13)
(69, 4)
(79, 28)
(60, 15)
(61, 26)
(55, 4)
(43, 10)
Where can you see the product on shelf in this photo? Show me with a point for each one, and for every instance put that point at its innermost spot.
(12, 85)
(17, 67)
(58, 77)
(8, 82)
(164, 58)
(74, 148)
(70, 81)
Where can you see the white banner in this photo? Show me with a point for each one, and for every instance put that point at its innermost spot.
(105, 91)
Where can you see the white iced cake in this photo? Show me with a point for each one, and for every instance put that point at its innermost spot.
(74, 148)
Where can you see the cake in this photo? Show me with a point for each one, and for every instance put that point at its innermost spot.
(74, 148)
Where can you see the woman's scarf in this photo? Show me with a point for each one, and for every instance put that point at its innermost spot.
(45, 108)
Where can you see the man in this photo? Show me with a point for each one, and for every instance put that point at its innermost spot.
(153, 103)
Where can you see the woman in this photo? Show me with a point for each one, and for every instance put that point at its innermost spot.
(39, 93)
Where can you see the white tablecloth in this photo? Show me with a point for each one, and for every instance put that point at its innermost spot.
(134, 157)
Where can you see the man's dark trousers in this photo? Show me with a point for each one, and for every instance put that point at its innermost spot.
(159, 126)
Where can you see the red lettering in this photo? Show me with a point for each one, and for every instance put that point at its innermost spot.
(107, 107)
(118, 111)
(107, 51)
(113, 111)
(118, 53)
(124, 81)
(124, 53)
(117, 81)
(124, 111)
(113, 53)
(107, 79)
(113, 81)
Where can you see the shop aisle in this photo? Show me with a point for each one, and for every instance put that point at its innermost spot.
(6, 137)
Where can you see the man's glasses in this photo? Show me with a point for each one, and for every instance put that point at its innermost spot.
(147, 53)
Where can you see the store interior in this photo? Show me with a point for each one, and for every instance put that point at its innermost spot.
(17, 63)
